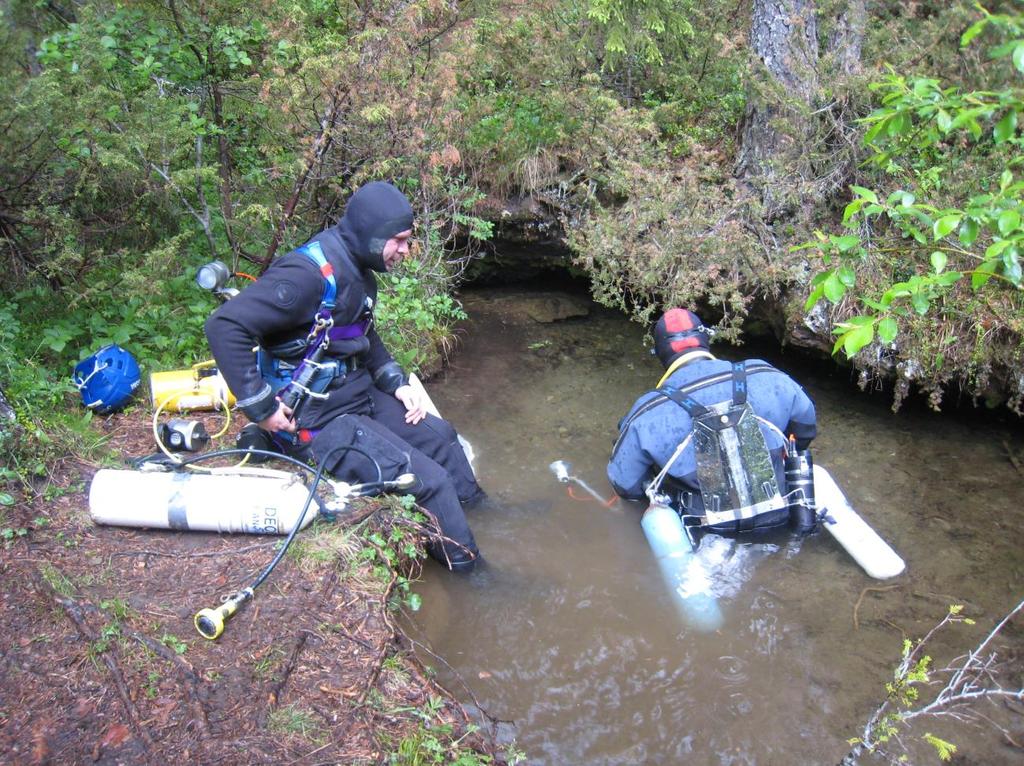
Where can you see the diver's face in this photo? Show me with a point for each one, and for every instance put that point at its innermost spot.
(396, 249)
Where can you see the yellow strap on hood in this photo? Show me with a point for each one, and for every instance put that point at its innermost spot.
(689, 356)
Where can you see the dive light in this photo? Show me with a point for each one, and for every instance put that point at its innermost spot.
(184, 435)
(210, 622)
(561, 470)
(401, 482)
(213, 276)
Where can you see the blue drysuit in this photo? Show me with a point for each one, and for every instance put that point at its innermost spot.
(655, 426)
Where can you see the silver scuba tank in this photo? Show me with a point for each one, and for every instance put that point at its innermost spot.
(682, 571)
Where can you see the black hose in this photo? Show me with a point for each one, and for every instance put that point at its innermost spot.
(317, 477)
(312, 493)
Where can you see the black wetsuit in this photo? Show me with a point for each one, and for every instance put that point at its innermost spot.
(276, 312)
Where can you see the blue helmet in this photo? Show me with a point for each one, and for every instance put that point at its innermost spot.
(107, 379)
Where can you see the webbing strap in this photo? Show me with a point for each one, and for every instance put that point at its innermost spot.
(693, 408)
(739, 382)
(689, 388)
(315, 253)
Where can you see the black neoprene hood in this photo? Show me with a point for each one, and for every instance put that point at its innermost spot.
(375, 213)
(679, 331)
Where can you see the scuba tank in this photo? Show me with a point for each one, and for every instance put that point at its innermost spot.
(681, 570)
(799, 467)
(198, 501)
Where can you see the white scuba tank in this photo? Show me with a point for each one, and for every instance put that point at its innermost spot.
(198, 502)
(851, 531)
(682, 571)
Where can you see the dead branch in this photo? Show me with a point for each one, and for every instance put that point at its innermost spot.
(856, 625)
(74, 612)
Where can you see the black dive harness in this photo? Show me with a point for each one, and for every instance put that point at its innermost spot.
(295, 384)
(661, 397)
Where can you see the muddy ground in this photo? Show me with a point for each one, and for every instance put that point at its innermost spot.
(101, 663)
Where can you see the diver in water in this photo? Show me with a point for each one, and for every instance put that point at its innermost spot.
(713, 436)
(323, 383)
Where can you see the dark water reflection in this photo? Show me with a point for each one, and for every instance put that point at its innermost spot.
(568, 631)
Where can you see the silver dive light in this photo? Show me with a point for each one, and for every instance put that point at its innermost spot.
(561, 470)
(213, 276)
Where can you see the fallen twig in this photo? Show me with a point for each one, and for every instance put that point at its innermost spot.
(74, 612)
(869, 589)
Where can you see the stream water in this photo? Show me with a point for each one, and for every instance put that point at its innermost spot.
(567, 634)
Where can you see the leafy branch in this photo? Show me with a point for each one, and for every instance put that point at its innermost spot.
(973, 680)
(917, 127)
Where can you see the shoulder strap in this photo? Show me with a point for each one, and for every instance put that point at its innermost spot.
(662, 397)
(693, 408)
(315, 253)
(739, 382)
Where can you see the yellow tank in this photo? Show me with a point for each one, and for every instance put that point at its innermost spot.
(200, 388)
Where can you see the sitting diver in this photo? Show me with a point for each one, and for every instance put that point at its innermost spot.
(719, 438)
(323, 383)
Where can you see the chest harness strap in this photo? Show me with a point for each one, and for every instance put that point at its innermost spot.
(311, 376)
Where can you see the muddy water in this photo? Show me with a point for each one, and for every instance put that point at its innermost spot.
(568, 634)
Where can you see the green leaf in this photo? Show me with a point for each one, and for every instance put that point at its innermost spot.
(968, 231)
(899, 124)
(858, 338)
(972, 31)
(1006, 127)
(996, 248)
(1018, 57)
(984, 273)
(853, 208)
(944, 121)
(887, 330)
(845, 243)
(945, 750)
(834, 289)
(920, 303)
(847, 276)
(867, 194)
(813, 298)
(944, 225)
(938, 259)
(108, 42)
(6, 499)
(1011, 265)
(1008, 222)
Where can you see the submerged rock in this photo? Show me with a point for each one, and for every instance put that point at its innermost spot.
(542, 307)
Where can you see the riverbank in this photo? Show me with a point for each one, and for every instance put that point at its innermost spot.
(102, 665)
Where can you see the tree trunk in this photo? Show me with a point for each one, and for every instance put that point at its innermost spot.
(844, 41)
(774, 157)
